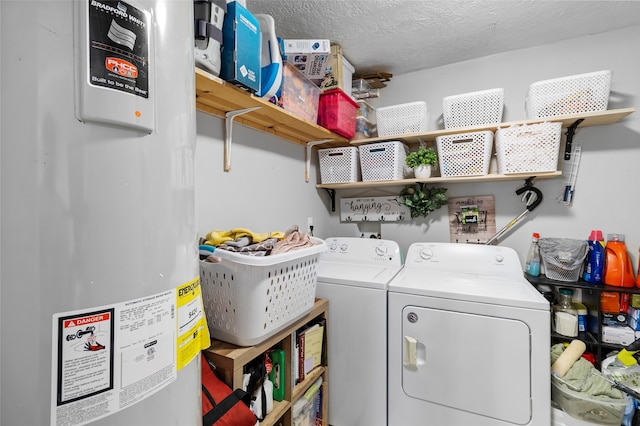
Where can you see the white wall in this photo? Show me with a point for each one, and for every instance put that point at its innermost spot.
(266, 190)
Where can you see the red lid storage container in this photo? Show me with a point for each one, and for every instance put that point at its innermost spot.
(337, 112)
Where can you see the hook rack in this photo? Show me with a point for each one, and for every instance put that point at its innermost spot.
(571, 131)
(228, 134)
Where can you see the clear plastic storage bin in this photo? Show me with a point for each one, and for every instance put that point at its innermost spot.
(248, 299)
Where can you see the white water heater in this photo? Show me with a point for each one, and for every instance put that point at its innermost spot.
(99, 302)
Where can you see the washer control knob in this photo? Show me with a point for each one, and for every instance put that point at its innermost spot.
(499, 258)
(333, 246)
(426, 253)
(381, 250)
(343, 247)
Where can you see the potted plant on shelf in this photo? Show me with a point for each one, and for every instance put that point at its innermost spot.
(422, 200)
(421, 161)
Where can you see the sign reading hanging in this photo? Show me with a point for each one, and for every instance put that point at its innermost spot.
(373, 209)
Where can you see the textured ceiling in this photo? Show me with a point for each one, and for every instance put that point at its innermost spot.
(400, 36)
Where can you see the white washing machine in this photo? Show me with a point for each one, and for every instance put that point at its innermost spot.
(468, 339)
(353, 274)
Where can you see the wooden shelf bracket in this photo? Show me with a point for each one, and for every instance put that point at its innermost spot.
(228, 134)
(307, 156)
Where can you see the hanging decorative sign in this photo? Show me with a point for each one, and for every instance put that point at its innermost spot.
(472, 220)
(373, 209)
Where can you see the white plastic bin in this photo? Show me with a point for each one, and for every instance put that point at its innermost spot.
(473, 109)
(248, 299)
(569, 95)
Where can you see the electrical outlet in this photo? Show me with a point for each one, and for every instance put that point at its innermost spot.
(310, 224)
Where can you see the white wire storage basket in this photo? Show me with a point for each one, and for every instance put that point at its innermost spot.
(383, 161)
(339, 165)
(465, 154)
(473, 109)
(248, 299)
(411, 117)
(569, 95)
(528, 148)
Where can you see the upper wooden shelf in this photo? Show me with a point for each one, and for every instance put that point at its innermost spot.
(438, 180)
(217, 97)
(598, 118)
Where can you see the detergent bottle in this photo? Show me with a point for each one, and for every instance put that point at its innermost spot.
(618, 270)
(594, 262)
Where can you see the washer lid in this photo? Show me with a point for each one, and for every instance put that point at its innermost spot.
(498, 290)
(370, 276)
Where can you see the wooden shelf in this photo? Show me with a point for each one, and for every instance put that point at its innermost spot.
(230, 360)
(217, 97)
(439, 180)
(599, 118)
(589, 119)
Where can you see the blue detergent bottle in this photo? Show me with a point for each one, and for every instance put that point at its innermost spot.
(594, 262)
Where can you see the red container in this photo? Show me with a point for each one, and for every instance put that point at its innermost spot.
(337, 112)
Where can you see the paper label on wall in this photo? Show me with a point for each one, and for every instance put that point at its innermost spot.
(472, 219)
(373, 209)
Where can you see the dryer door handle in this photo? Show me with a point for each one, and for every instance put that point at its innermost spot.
(410, 352)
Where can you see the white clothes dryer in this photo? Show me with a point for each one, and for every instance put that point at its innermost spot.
(468, 340)
(353, 274)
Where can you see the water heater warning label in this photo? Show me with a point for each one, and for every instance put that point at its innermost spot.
(118, 47)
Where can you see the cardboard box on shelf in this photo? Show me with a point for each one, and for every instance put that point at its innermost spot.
(310, 57)
(339, 72)
(620, 335)
(241, 48)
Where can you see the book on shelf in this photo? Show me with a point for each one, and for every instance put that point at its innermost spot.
(309, 348)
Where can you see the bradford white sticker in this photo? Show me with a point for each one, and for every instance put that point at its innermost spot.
(106, 359)
(119, 47)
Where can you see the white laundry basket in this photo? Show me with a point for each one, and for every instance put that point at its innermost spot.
(248, 299)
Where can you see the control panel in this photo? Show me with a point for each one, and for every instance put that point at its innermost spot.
(367, 250)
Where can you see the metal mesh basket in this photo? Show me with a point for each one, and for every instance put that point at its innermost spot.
(563, 257)
(465, 154)
(528, 148)
(569, 95)
(473, 109)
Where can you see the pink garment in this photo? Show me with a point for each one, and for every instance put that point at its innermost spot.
(293, 240)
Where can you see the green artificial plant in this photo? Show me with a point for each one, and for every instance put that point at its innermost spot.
(423, 156)
(422, 200)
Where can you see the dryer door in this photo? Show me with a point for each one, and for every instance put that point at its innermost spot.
(470, 362)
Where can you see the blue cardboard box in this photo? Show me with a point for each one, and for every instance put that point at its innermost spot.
(241, 48)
